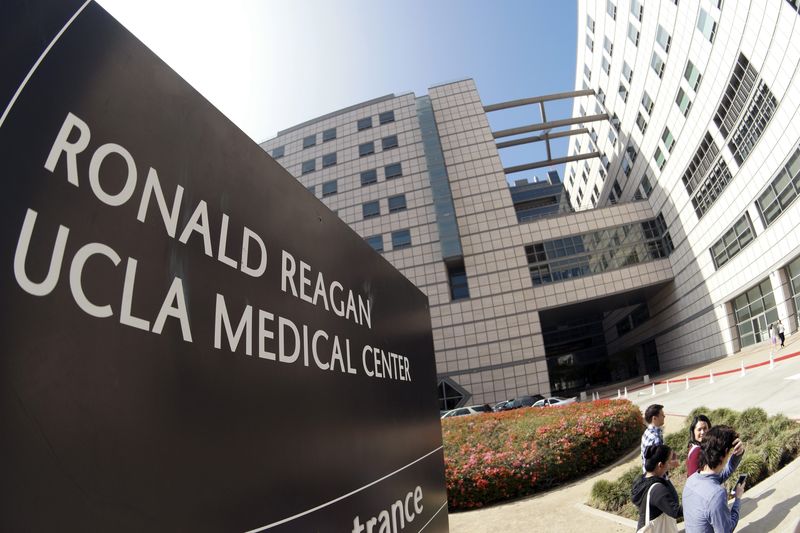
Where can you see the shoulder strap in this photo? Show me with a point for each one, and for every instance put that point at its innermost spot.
(647, 512)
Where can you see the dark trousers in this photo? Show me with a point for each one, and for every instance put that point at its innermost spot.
(782, 338)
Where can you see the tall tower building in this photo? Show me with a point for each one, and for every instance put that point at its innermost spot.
(672, 240)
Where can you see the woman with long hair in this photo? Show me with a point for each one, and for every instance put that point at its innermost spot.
(700, 425)
(653, 493)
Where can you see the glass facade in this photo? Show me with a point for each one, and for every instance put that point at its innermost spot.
(793, 270)
(755, 311)
(782, 190)
(596, 252)
(733, 241)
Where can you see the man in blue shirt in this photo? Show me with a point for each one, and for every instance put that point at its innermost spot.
(705, 500)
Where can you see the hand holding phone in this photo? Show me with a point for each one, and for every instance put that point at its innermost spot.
(739, 483)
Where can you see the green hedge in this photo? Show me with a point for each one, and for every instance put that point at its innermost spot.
(770, 444)
(497, 456)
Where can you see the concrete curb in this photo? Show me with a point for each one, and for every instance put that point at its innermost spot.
(611, 517)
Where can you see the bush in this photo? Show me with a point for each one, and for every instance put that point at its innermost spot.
(497, 456)
(771, 443)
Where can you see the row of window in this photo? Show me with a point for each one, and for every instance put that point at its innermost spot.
(400, 239)
(330, 133)
(596, 252)
(328, 160)
(372, 208)
(732, 241)
(368, 177)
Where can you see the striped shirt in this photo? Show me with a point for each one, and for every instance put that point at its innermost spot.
(652, 436)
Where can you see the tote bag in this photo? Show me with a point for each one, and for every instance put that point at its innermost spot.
(662, 524)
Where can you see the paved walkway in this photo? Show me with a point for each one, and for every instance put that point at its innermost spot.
(773, 505)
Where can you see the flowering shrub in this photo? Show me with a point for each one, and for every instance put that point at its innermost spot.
(497, 456)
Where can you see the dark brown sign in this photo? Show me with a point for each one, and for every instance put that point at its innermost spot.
(190, 340)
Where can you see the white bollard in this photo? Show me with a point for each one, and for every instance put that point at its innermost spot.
(711, 377)
(654, 389)
(667, 386)
(687, 382)
(626, 393)
(619, 394)
(771, 360)
(742, 368)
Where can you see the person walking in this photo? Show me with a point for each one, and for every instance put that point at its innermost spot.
(705, 500)
(654, 494)
(781, 333)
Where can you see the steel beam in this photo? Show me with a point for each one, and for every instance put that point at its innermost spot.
(550, 162)
(537, 99)
(537, 138)
(549, 125)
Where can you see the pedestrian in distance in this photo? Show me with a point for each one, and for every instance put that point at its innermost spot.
(781, 333)
(705, 500)
(773, 335)
(654, 494)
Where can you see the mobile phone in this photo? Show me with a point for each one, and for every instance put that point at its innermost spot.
(742, 478)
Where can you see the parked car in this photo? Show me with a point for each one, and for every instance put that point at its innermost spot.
(555, 400)
(468, 410)
(516, 403)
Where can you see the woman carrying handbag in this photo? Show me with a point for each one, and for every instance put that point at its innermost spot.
(655, 495)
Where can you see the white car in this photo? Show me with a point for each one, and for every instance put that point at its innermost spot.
(555, 400)
(468, 410)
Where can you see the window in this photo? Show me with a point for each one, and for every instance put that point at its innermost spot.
(369, 176)
(627, 71)
(595, 195)
(328, 160)
(364, 123)
(684, 104)
(386, 117)
(627, 166)
(637, 10)
(752, 126)
(457, 276)
(736, 93)
(608, 45)
(401, 239)
(329, 188)
(376, 241)
(590, 23)
(663, 38)
(611, 9)
(732, 241)
(606, 65)
(658, 64)
(616, 193)
(397, 203)
(668, 139)
(309, 166)
(692, 75)
(645, 187)
(587, 72)
(590, 42)
(389, 142)
(615, 122)
(632, 152)
(754, 309)
(706, 25)
(312, 189)
(711, 188)
(660, 159)
(604, 161)
(277, 152)
(329, 135)
(633, 34)
(782, 190)
(371, 209)
(641, 123)
(700, 163)
(366, 149)
(393, 171)
(647, 103)
(309, 141)
(450, 394)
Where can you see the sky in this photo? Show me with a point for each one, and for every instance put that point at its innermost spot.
(270, 65)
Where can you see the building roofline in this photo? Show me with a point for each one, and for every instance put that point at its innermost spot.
(335, 113)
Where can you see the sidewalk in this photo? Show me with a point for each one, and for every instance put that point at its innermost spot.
(773, 505)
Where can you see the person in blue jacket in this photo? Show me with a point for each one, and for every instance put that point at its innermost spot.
(705, 500)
